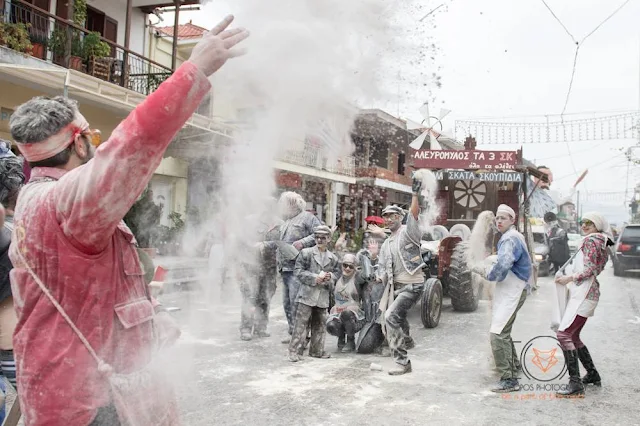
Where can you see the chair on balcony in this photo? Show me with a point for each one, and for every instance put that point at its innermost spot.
(100, 67)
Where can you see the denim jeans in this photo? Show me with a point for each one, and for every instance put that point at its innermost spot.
(396, 321)
(290, 286)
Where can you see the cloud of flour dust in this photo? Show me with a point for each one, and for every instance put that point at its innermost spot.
(308, 65)
(429, 192)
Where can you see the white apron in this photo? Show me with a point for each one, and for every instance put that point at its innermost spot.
(571, 299)
(506, 297)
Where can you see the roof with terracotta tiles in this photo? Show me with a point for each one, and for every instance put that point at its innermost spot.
(185, 31)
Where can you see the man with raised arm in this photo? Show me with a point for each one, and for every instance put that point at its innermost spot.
(71, 248)
(400, 270)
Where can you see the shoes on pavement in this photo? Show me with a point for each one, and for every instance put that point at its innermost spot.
(261, 334)
(506, 385)
(575, 389)
(323, 355)
(350, 346)
(245, 335)
(400, 369)
(294, 357)
(592, 377)
(286, 340)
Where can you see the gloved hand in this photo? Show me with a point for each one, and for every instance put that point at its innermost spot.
(416, 185)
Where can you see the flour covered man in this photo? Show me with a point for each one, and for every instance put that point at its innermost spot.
(258, 272)
(400, 270)
(87, 327)
(296, 230)
(511, 272)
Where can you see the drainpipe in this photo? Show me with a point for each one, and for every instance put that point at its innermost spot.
(175, 35)
(67, 78)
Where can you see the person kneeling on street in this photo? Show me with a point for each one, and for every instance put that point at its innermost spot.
(317, 270)
(347, 316)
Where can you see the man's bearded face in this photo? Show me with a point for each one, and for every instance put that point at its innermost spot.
(392, 221)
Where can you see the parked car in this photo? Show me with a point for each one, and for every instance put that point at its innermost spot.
(541, 251)
(627, 251)
(574, 242)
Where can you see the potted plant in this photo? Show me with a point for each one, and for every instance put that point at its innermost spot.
(93, 46)
(39, 43)
(169, 237)
(15, 36)
(58, 45)
(144, 219)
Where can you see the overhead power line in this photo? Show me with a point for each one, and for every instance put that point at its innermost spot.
(578, 45)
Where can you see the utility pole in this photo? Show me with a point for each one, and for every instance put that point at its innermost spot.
(578, 215)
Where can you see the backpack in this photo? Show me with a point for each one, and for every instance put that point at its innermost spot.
(558, 247)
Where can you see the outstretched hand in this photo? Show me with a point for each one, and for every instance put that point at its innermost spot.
(217, 46)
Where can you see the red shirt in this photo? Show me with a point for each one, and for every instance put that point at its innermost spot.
(68, 226)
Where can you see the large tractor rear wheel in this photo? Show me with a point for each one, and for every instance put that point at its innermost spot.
(431, 306)
(464, 290)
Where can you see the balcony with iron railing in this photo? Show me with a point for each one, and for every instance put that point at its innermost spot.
(311, 156)
(66, 44)
(382, 173)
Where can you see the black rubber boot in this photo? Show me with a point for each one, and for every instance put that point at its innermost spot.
(575, 389)
(592, 377)
(341, 343)
(350, 346)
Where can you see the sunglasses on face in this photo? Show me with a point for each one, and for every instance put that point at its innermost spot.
(586, 223)
(348, 266)
(94, 135)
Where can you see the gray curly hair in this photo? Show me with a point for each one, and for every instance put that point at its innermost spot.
(41, 117)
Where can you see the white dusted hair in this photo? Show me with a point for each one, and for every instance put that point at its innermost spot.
(292, 201)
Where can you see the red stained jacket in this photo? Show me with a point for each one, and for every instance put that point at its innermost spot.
(69, 228)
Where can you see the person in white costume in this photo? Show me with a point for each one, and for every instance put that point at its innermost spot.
(512, 274)
(578, 293)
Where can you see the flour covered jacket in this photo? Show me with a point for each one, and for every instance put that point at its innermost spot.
(68, 227)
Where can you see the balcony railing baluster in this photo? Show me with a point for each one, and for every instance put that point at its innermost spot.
(311, 157)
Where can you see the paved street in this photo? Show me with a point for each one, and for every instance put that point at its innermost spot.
(225, 381)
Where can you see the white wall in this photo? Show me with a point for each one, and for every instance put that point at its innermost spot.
(117, 10)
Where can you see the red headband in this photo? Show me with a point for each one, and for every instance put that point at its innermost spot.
(54, 144)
